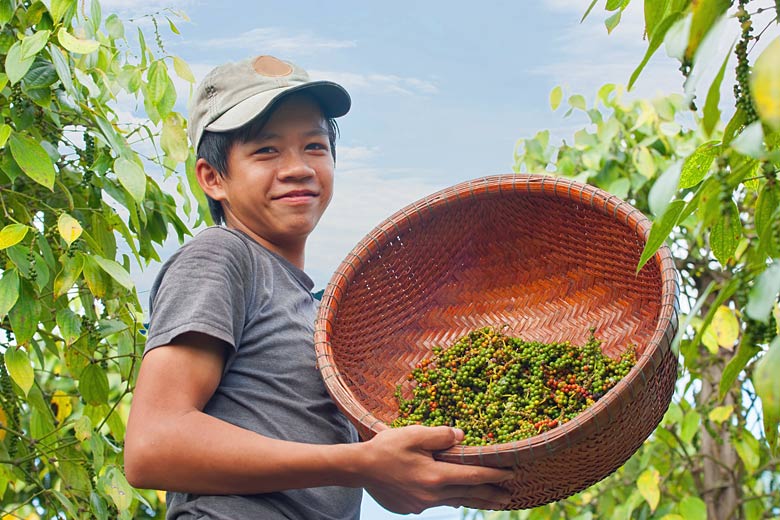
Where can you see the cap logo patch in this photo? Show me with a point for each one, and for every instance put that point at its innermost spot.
(271, 67)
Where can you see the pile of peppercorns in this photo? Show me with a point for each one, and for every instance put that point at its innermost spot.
(498, 388)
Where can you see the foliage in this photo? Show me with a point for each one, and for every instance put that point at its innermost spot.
(77, 207)
(711, 188)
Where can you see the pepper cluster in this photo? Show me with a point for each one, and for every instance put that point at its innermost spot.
(498, 388)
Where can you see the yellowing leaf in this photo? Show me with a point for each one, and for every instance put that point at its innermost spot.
(767, 385)
(5, 132)
(62, 404)
(12, 234)
(648, 487)
(19, 368)
(183, 70)
(4, 423)
(76, 45)
(69, 228)
(643, 160)
(720, 413)
(174, 138)
(765, 84)
(556, 95)
(725, 326)
(83, 428)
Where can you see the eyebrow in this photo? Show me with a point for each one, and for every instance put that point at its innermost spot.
(314, 132)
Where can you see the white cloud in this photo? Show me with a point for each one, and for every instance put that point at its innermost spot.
(377, 82)
(275, 40)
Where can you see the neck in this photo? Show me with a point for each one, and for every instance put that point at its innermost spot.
(292, 251)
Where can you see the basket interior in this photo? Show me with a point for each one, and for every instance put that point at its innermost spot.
(548, 267)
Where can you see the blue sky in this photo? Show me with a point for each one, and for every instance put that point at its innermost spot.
(441, 92)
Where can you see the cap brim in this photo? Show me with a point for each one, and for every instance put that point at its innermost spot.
(333, 98)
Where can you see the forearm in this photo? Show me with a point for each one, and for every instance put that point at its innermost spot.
(197, 453)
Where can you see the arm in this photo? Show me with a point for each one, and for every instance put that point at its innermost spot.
(171, 444)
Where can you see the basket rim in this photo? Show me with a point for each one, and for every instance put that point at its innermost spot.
(597, 415)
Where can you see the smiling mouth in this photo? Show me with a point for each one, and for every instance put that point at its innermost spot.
(296, 195)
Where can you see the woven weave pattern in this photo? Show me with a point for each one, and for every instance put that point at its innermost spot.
(547, 257)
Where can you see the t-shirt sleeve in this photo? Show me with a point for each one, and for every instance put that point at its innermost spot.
(204, 288)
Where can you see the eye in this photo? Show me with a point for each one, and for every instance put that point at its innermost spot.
(265, 150)
(317, 146)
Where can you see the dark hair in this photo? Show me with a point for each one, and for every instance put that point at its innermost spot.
(214, 148)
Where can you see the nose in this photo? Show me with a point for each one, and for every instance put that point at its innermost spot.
(294, 166)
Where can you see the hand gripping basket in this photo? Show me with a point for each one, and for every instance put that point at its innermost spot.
(547, 256)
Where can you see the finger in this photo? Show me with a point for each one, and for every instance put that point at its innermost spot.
(436, 438)
(486, 492)
(475, 503)
(458, 474)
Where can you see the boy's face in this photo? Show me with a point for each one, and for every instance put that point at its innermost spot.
(279, 183)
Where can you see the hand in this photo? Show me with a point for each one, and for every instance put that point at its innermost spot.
(404, 477)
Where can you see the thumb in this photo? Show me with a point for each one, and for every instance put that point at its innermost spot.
(439, 437)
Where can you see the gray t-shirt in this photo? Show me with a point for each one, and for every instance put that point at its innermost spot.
(224, 284)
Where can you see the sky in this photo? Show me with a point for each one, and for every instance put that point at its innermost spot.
(441, 91)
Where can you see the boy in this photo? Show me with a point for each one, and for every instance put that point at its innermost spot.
(229, 413)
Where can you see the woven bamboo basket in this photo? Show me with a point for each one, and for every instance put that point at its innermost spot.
(546, 256)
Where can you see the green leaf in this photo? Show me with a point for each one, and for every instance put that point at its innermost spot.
(157, 83)
(33, 43)
(766, 206)
(66, 278)
(705, 13)
(116, 271)
(63, 70)
(578, 101)
(69, 324)
(767, 386)
(7, 8)
(733, 126)
(173, 27)
(654, 13)
(9, 291)
(711, 109)
(765, 84)
(725, 235)
(184, 72)
(12, 234)
(693, 508)
(613, 5)
(587, 11)
(59, 8)
(664, 188)
(690, 426)
(16, 65)
(698, 164)
(93, 384)
(661, 229)
(748, 450)
(655, 42)
(33, 160)
(174, 138)
(19, 368)
(647, 483)
(76, 45)
(25, 314)
(745, 352)
(132, 177)
(5, 132)
(643, 160)
(720, 414)
(114, 27)
(750, 141)
(725, 326)
(556, 95)
(763, 294)
(40, 77)
(613, 21)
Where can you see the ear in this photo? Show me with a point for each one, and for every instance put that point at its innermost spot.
(209, 179)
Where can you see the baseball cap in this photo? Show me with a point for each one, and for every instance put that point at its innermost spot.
(233, 94)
